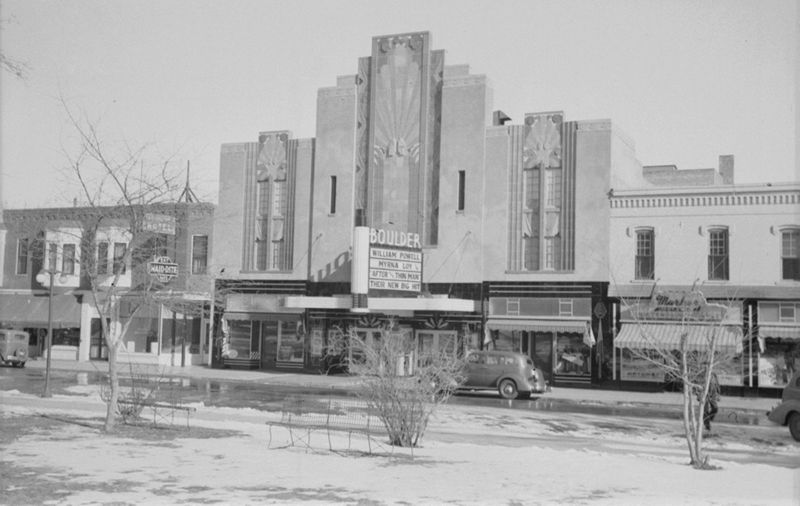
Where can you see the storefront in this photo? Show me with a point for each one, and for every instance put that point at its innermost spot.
(778, 334)
(29, 312)
(650, 327)
(259, 332)
(555, 332)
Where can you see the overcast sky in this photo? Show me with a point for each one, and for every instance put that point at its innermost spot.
(686, 80)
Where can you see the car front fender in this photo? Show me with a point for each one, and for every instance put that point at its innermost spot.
(780, 413)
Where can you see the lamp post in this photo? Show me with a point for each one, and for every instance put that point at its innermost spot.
(48, 276)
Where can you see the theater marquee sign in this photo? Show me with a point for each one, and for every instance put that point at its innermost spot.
(395, 262)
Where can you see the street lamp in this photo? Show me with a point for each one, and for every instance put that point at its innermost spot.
(47, 277)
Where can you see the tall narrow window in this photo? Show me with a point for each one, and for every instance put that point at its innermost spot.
(102, 258)
(52, 256)
(333, 195)
(790, 254)
(462, 181)
(718, 254)
(262, 226)
(119, 257)
(68, 259)
(199, 254)
(278, 198)
(530, 219)
(645, 254)
(22, 256)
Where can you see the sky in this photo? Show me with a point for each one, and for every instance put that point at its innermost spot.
(687, 80)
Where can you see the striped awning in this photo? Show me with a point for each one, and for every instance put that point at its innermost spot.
(668, 337)
(779, 331)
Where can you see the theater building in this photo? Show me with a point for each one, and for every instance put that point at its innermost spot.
(696, 231)
(417, 203)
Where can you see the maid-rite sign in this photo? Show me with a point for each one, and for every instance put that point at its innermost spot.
(163, 269)
(395, 261)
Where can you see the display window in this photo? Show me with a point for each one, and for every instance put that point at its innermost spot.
(573, 357)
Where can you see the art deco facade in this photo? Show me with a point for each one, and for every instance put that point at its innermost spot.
(512, 220)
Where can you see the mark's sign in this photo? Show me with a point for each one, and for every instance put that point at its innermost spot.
(689, 305)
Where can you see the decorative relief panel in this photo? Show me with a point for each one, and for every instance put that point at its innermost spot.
(399, 84)
(362, 131)
(542, 141)
(271, 161)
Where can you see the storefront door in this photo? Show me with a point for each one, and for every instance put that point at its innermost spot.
(540, 349)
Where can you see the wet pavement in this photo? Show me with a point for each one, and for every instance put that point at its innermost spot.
(263, 390)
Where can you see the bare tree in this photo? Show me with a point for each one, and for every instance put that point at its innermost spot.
(693, 361)
(120, 189)
(403, 389)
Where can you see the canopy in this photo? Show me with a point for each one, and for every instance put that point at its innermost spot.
(668, 337)
(779, 332)
(30, 310)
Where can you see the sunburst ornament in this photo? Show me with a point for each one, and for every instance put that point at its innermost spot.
(271, 162)
(542, 146)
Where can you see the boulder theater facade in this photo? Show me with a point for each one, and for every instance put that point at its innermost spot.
(417, 204)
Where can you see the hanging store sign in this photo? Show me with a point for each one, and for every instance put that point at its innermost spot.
(395, 262)
(163, 269)
(159, 223)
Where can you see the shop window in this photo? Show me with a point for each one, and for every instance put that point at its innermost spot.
(22, 256)
(790, 254)
(645, 254)
(291, 345)
(718, 254)
(572, 355)
(68, 259)
(199, 254)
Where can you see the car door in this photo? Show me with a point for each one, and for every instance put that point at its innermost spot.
(474, 370)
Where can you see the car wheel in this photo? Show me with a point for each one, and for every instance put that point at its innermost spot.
(508, 389)
(794, 425)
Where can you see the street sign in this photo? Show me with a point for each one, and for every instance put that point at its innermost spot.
(163, 269)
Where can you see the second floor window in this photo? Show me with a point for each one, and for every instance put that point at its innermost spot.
(102, 258)
(199, 254)
(645, 254)
(68, 259)
(790, 254)
(52, 256)
(119, 257)
(718, 254)
(22, 256)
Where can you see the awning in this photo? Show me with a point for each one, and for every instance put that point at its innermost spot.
(779, 332)
(234, 315)
(21, 310)
(537, 325)
(383, 304)
(668, 337)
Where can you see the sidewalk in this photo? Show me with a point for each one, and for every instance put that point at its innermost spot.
(591, 396)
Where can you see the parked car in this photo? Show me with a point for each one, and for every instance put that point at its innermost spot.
(512, 374)
(788, 411)
(13, 347)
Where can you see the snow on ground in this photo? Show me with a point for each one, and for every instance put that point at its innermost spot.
(470, 456)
